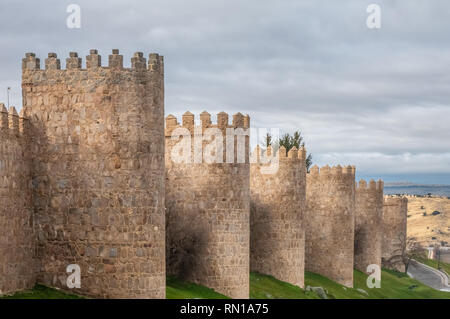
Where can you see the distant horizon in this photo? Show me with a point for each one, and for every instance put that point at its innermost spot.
(422, 190)
(409, 179)
(407, 184)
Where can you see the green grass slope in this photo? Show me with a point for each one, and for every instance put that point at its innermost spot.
(394, 285)
(42, 292)
(178, 289)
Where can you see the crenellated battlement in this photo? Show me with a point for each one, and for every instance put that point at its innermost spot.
(12, 123)
(362, 185)
(93, 62)
(263, 157)
(223, 122)
(395, 201)
(88, 83)
(326, 172)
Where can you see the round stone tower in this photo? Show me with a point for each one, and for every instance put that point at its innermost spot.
(208, 202)
(395, 211)
(278, 202)
(329, 222)
(17, 240)
(368, 233)
(98, 172)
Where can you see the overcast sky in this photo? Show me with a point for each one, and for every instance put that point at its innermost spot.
(379, 99)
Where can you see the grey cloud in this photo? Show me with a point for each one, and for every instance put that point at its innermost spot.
(313, 65)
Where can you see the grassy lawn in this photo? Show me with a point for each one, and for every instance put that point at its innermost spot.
(42, 292)
(394, 285)
(177, 289)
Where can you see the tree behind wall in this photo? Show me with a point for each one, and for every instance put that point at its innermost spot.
(289, 141)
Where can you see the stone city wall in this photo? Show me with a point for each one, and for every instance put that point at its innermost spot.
(208, 203)
(278, 202)
(368, 221)
(395, 211)
(329, 222)
(98, 172)
(17, 240)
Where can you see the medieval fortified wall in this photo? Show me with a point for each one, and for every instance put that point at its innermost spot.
(330, 222)
(90, 176)
(208, 204)
(278, 202)
(98, 153)
(395, 211)
(17, 245)
(368, 232)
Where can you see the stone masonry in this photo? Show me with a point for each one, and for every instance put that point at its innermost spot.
(98, 154)
(17, 244)
(278, 202)
(368, 220)
(90, 176)
(395, 211)
(208, 204)
(329, 222)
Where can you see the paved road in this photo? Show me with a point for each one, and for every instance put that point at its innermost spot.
(428, 276)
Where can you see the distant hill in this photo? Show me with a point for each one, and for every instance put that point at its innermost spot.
(424, 226)
(409, 184)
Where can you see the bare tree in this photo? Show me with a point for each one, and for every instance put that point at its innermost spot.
(405, 250)
(411, 249)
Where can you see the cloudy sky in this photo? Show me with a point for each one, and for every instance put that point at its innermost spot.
(376, 98)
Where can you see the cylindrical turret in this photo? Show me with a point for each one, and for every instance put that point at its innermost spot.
(98, 172)
(17, 238)
(329, 222)
(208, 203)
(368, 220)
(395, 213)
(278, 202)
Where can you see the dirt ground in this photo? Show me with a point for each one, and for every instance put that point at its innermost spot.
(423, 226)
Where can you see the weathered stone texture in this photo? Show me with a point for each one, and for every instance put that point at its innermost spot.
(368, 221)
(329, 223)
(98, 172)
(84, 181)
(395, 211)
(208, 209)
(17, 241)
(278, 202)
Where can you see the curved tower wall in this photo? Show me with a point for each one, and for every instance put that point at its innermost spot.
(368, 222)
(208, 205)
(98, 172)
(329, 223)
(395, 211)
(278, 202)
(17, 240)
